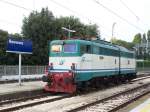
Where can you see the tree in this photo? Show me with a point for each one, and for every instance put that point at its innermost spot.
(137, 39)
(82, 31)
(148, 35)
(3, 39)
(39, 28)
(144, 41)
(91, 31)
(144, 38)
(123, 43)
(71, 21)
(6, 58)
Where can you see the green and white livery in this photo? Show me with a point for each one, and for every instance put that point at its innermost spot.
(90, 60)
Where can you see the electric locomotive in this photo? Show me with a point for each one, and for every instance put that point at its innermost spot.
(76, 64)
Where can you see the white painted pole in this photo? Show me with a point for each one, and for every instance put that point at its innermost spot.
(20, 69)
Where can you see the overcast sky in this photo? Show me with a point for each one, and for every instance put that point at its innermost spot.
(134, 14)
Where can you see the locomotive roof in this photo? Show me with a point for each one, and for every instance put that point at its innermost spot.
(100, 43)
(124, 49)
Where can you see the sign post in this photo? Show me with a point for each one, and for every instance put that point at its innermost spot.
(20, 69)
(20, 47)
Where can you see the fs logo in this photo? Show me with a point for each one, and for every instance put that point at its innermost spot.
(61, 62)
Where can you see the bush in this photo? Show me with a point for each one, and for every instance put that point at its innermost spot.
(145, 63)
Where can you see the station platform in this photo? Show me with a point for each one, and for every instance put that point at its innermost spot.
(144, 107)
(11, 88)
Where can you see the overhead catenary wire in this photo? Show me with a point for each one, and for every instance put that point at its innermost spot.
(59, 4)
(18, 6)
(27, 9)
(117, 15)
(81, 15)
(133, 13)
(15, 5)
(137, 17)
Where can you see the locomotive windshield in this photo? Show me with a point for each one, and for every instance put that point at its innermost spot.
(56, 48)
(71, 48)
(66, 48)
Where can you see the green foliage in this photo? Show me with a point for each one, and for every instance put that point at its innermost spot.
(137, 38)
(142, 47)
(7, 58)
(148, 35)
(144, 38)
(39, 28)
(3, 39)
(82, 31)
(74, 24)
(123, 43)
(91, 31)
(145, 64)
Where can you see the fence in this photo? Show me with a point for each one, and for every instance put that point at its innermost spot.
(25, 70)
(6, 70)
(143, 66)
(143, 69)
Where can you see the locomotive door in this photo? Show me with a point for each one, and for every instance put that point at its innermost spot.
(116, 65)
(86, 58)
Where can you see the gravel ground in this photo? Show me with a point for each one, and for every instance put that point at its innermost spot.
(135, 104)
(73, 102)
(114, 102)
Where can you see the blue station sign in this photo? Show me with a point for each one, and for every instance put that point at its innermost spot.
(19, 46)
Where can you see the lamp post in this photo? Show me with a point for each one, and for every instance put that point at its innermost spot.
(68, 30)
(113, 25)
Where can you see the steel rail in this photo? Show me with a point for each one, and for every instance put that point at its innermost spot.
(105, 99)
(21, 106)
(128, 102)
(24, 99)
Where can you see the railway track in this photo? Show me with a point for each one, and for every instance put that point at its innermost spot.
(23, 99)
(19, 103)
(16, 104)
(140, 78)
(114, 102)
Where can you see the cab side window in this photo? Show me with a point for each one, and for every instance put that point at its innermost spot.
(88, 49)
(85, 49)
(95, 50)
(82, 49)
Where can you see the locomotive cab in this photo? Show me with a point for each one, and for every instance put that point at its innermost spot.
(63, 60)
